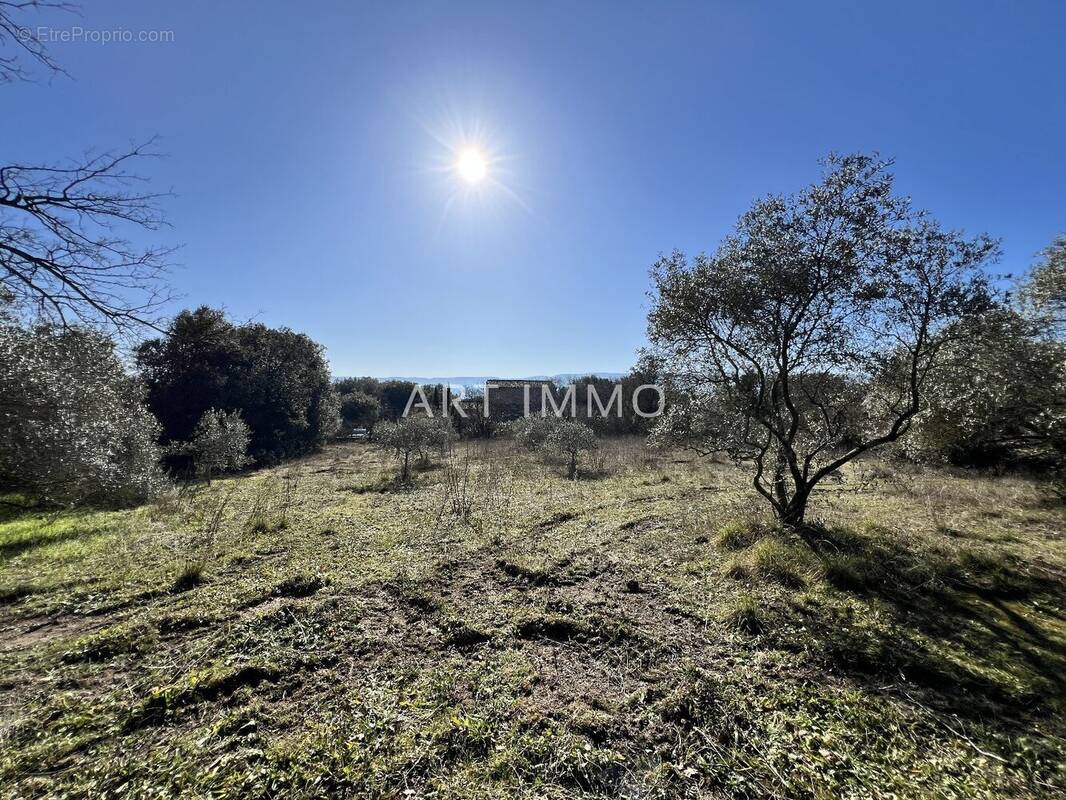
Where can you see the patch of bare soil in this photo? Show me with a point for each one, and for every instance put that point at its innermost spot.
(593, 635)
(28, 632)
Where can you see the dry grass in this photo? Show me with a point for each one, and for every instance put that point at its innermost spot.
(494, 630)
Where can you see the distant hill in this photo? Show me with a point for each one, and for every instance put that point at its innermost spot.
(479, 380)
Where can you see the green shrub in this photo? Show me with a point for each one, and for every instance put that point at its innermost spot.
(74, 428)
(219, 443)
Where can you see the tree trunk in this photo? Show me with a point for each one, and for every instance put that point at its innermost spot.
(573, 466)
(406, 468)
(780, 488)
(793, 513)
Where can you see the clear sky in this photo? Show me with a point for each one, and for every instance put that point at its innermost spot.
(306, 143)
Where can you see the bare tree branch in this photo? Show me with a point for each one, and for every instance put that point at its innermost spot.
(62, 251)
(19, 41)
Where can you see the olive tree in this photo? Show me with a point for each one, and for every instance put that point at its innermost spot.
(219, 443)
(73, 424)
(530, 432)
(807, 338)
(554, 438)
(998, 396)
(413, 436)
(567, 441)
(999, 393)
(1044, 291)
(359, 410)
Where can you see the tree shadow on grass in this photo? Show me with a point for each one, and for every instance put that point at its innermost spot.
(968, 627)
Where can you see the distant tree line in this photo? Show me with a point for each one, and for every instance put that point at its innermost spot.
(364, 401)
(611, 407)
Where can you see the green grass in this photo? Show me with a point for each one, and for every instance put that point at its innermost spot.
(744, 615)
(788, 563)
(317, 630)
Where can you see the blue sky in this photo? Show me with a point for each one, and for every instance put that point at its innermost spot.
(304, 144)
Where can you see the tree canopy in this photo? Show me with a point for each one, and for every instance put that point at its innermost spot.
(359, 409)
(1044, 291)
(807, 338)
(277, 379)
(409, 436)
(73, 425)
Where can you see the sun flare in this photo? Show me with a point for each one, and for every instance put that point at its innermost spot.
(473, 170)
(471, 165)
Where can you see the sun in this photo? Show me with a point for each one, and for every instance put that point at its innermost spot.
(471, 165)
(472, 171)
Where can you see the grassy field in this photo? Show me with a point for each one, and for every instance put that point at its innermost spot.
(498, 631)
